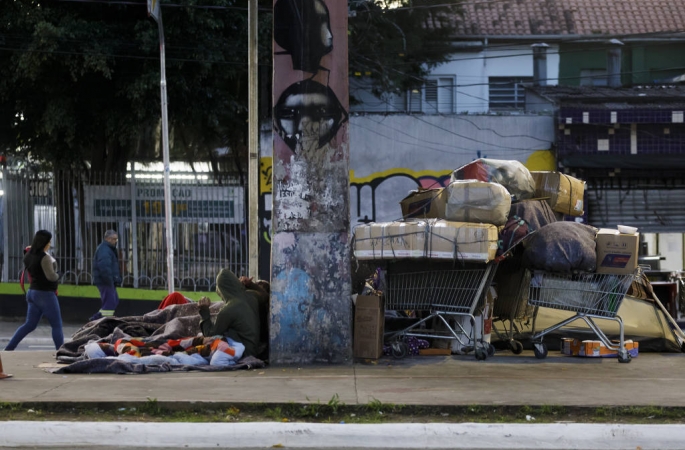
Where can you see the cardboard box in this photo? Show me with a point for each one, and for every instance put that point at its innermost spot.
(424, 204)
(564, 192)
(433, 238)
(462, 241)
(595, 349)
(616, 252)
(462, 201)
(435, 352)
(368, 327)
(390, 240)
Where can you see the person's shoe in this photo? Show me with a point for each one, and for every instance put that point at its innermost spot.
(96, 316)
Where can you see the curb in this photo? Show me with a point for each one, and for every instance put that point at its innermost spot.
(315, 435)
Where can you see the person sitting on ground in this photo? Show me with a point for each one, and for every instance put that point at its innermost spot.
(238, 319)
(261, 290)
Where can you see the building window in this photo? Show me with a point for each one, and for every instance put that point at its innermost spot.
(438, 95)
(507, 93)
(593, 77)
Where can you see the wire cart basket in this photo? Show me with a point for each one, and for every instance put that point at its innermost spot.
(590, 296)
(444, 293)
(512, 308)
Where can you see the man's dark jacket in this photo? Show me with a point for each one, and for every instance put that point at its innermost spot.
(106, 265)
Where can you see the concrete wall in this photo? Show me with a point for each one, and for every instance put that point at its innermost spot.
(392, 155)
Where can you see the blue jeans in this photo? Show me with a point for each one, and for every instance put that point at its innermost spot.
(40, 303)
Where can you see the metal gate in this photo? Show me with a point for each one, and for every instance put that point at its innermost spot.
(209, 224)
(650, 207)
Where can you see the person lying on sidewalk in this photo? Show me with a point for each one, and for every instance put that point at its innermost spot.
(238, 319)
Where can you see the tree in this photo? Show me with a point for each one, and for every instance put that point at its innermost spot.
(396, 43)
(80, 80)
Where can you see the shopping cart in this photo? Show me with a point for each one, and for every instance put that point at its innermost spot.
(445, 291)
(590, 296)
(512, 311)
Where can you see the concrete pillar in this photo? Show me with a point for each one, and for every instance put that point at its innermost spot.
(311, 311)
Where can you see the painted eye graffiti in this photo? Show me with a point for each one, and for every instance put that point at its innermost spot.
(308, 110)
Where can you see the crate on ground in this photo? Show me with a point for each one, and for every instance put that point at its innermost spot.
(595, 349)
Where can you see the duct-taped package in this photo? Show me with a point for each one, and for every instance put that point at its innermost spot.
(433, 238)
(477, 202)
(564, 193)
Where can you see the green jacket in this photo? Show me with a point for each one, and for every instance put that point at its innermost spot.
(238, 319)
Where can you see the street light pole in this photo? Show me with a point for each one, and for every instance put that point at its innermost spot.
(253, 143)
(154, 10)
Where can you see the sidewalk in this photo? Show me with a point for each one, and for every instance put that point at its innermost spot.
(651, 379)
(504, 379)
(40, 338)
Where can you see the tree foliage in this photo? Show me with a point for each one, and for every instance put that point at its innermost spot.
(396, 43)
(80, 80)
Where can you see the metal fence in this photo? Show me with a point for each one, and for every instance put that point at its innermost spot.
(209, 224)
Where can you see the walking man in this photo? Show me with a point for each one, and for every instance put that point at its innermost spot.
(106, 275)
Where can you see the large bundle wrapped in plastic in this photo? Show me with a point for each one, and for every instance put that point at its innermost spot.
(477, 202)
(536, 213)
(563, 247)
(524, 217)
(509, 173)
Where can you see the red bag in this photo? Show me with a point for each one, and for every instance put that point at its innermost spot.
(514, 230)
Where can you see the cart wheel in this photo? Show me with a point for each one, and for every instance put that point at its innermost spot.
(491, 350)
(624, 356)
(481, 354)
(540, 350)
(399, 350)
(516, 347)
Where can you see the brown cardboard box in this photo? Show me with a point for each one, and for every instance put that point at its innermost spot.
(424, 204)
(390, 240)
(462, 241)
(564, 192)
(435, 352)
(462, 201)
(616, 252)
(432, 238)
(368, 327)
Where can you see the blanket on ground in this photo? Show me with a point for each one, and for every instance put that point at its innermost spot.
(154, 330)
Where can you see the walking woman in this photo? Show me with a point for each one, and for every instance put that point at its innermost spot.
(41, 296)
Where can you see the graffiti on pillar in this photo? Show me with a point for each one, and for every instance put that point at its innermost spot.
(311, 153)
(305, 45)
(307, 116)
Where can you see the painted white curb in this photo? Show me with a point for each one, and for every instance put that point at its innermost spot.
(314, 435)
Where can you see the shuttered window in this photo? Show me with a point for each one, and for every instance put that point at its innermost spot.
(507, 93)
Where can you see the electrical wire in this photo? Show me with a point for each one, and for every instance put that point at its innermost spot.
(166, 5)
